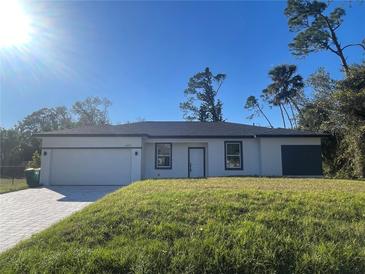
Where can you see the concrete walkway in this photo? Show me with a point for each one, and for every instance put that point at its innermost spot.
(25, 212)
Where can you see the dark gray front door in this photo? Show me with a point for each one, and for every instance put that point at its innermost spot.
(301, 160)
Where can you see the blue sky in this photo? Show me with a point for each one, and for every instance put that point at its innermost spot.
(140, 55)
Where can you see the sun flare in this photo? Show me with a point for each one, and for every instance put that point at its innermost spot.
(14, 24)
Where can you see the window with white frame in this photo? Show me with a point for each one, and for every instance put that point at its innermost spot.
(163, 158)
(233, 155)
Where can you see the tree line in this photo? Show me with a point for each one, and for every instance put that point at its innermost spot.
(18, 145)
(336, 107)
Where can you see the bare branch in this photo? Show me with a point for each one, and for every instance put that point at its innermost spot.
(331, 49)
(354, 45)
(219, 85)
(335, 28)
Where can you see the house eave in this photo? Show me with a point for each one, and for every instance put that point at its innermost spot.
(292, 135)
(40, 135)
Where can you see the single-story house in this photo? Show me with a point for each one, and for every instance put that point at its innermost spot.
(121, 154)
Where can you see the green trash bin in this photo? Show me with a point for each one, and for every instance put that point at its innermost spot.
(32, 176)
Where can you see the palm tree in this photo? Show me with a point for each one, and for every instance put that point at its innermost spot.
(286, 89)
(274, 100)
(253, 104)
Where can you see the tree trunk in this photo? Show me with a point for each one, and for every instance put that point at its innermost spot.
(213, 110)
(287, 115)
(296, 107)
(282, 115)
(340, 54)
(267, 119)
(293, 115)
(339, 50)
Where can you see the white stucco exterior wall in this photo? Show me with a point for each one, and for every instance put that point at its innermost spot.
(270, 152)
(214, 162)
(49, 144)
(136, 164)
(179, 160)
(46, 156)
(261, 156)
(250, 154)
(78, 142)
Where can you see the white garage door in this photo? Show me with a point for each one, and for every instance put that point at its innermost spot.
(91, 167)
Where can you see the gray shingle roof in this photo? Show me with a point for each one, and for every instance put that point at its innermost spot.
(182, 130)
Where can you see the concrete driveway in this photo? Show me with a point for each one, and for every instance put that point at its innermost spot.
(25, 212)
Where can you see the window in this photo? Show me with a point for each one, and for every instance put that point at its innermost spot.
(233, 155)
(163, 156)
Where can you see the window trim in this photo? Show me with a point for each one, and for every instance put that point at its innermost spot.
(225, 155)
(156, 156)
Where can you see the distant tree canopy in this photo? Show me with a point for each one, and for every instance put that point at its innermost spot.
(45, 119)
(10, 147)
(18, 145)
(202, 103)
(93, 111)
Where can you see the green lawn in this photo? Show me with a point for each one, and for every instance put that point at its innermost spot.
(213, 225)
(7, 185)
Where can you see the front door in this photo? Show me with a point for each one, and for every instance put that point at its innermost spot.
(196, 161)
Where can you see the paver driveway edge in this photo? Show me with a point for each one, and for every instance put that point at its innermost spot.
(26, 212)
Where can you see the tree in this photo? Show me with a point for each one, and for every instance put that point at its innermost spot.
(93, 111)
(351, 97)
(201, 103)
(11, 153)
(322, 84)
(45, 119)
(287, 88)
(338, 108)
(36, 160)
(18, 144)
(9, 147)
(316, 31)
(253, 104)
(320, 114)
(321, 106)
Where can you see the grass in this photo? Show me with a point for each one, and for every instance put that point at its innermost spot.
(231, 225)
(7, 185)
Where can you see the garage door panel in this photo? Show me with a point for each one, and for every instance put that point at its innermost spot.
(91, 167)
(301, 160)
